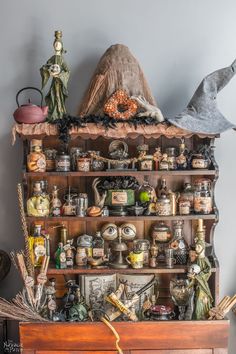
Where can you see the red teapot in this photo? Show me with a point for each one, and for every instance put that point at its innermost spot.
(30, 113)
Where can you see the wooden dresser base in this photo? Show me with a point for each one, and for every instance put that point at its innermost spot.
(170, 337)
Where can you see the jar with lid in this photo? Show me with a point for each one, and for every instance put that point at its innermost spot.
(50, 155)
(146, 163)
(202, 197)
(161, 232)
(164, 164)
(178, 244)
(187, 195)
(63, 162)
(198, 161)
(144, 246)
(36, 160)
(84, 164)
(96, 163)
(75, 153)
(163, 206)
(171, 158)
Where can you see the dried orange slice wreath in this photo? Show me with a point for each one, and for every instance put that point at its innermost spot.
(120, 106)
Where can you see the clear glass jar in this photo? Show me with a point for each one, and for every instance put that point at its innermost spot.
(171, 158)
(96, 164)
(36, 160)
(164, 164)
(146, 193)
(147, 163)
(38, 204)
(161, 232)
(187, 195)
(199, 161)
(202, 197)
(164, 206)
(178, 244)
(50, 155)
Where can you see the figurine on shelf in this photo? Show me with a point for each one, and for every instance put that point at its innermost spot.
(57, 69)
(98, 198)
(199, 275)
(75, 309)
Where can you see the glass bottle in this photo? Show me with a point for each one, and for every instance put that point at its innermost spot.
(162, 189)
(98, 245)
(178, 244)
(55, 203)
(146, 193)
(171, 153)
(182, 158)
(37, 245)
(60, 257)
(164, 164)
(203, 197)
(36, 160)
(38, 204)
(187, 195)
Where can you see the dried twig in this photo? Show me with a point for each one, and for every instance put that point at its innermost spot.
(29, 265)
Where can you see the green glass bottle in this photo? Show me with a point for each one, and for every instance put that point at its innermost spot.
(60, 257)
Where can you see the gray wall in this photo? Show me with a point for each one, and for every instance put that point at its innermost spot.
(177, 43)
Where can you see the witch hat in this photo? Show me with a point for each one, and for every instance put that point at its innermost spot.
(202, 114)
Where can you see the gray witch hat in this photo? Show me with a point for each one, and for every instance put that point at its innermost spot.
(202, 114)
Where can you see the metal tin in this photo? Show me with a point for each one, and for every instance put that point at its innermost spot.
(63, 163)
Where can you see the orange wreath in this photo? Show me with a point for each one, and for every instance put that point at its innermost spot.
(120, 106)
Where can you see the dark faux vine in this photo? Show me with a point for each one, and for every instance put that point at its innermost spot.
(68, 122)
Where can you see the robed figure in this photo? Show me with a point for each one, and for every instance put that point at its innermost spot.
(199, 276)
(56, 69)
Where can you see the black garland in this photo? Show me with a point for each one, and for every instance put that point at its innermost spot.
(67, 122)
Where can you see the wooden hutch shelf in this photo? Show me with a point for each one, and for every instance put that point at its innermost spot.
(123, 173)
(122, 218)
(149, 337)
(159, 270)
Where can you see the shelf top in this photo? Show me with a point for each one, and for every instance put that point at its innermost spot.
(93, 131)
(199, 172)
(177, 269)
(123, 218)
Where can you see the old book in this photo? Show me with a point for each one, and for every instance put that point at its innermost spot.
(94, 288)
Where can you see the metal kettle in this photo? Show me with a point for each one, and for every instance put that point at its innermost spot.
(30, 113)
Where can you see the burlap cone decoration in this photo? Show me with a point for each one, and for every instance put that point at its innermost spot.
(117, 69)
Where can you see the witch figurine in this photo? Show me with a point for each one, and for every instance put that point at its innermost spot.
(56, 69)
(199, 274)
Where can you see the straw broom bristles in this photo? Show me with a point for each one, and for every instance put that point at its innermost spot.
(19, 310)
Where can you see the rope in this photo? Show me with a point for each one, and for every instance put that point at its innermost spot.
(108, 324)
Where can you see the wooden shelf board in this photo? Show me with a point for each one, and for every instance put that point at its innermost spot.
(123, 173)
(122, 218)
(158, 270)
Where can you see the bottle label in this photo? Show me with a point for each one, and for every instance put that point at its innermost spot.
(199, 163)
(98, 252)
(40, 251)
(119, 198)
(161, 236)
(203, 205)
